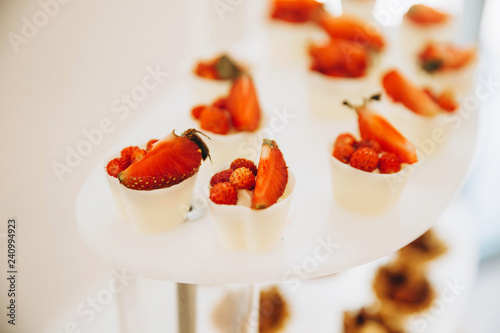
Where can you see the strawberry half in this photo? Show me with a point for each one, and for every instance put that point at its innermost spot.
(401, 90)
(437, 57)
(350, 28)
(272, 176)
(169, 162)
(373, 126)
(243, 104)
(424, 15)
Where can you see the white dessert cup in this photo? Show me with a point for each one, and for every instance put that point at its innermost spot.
(327, 94)
(206, 91)
(459, 80)
(240, 228)
(362, 9)
(153, 211)
(367, 193)
(415, 127)
(414, 37)
(289, 42)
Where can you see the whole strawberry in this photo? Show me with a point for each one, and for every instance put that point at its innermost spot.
(215, 120)
(242, 162)
(224, 194)
(365, 159)
(221, 177)
(242, 178)
(343, 153)
(370, 144)
(389, 163)
(117, 165)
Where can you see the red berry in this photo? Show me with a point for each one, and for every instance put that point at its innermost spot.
(215, 120)
(365, 159)
(343, 153)
(389, 163)
(370, 144)
(241, 162)
(242, 178)
(221, 103)
(197, 110)
(137, 155)
(224, 194)
(221, 177)
(345, 139)
(150, 144)
(126, 153)
(117, 165)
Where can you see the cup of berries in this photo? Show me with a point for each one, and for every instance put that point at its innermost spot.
(250, 204)
(213, 77)
(368, 175)
(231, 120)
(152, 187)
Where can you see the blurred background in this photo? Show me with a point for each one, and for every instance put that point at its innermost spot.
(60, 77)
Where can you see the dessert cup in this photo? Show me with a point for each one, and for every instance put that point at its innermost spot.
(152, 211)
(362, 9)
(415, 127)
(414, 37)
(241, 228)
(460, 80)
(204, 90)
(326, 93)
(288, 42)
(367, 193)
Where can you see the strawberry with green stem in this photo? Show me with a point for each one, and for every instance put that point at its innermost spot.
(373, 126)
(169, 162)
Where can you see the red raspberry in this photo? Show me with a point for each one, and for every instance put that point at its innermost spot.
(343, 152)
(221, 177)
(242, 178)
(215, 120)
(224, 194)
(365, 159)
(345, 139)
(241, 162)
(197, 110)
(150, 144)
(117, 165)
(389, 163)
(370, 144)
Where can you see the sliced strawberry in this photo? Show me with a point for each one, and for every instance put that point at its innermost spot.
(243, 104)
(350, 28)
(373, 126)
(272, 176)
(169, 162)
(438, 57)
(295, 11)
(150, 144)
(215, 120)
(401, 90)
(446, 100)
(424, 15)
(339, 58)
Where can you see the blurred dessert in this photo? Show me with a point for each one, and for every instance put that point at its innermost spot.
(422, 250)
(368, 321)
(273, 311)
